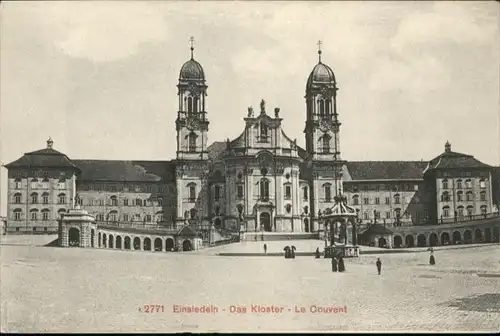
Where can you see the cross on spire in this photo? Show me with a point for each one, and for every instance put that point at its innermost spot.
(319, 49)
(191, 41)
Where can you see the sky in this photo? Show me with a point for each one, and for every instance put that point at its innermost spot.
(100, 78)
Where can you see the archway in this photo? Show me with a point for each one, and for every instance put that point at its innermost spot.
(306, 224)
(118, 242)
(265, 221)
(186, 245)
(445, 238)
(158, 244)
(111, 241)
(410, 242)
(487, 235)
(398, 241)
(421, 240)
(99, 239)
(169, 244)
(218, 222)
(496, 235)
(468, 237)
(104, 240)
(478, 236)
(127, 243)
(147, 244)
(92, 237)
(137, 243)
(382, 242)
(433, 239)
(74, 237)
(457, 237)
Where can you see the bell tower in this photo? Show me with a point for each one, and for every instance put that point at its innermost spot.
(192, 122)
(322, 125)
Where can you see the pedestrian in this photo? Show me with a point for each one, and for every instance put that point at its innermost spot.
(265, 248)
(334, 264)
(292, 253)
(432, 261)
(317, 254)
(341, 264)
(379, 266)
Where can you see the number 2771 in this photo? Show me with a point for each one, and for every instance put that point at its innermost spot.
(154, 308)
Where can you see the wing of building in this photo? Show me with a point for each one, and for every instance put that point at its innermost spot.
(259, 181)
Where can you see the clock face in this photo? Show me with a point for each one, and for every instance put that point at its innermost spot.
(193, 89)
(325, 91)
(324, 126)
(191, 124)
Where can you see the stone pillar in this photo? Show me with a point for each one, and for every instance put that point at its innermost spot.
(80, 220)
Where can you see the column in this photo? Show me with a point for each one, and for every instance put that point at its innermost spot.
(316, 203)
(180, 190)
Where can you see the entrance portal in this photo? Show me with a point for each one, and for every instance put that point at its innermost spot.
(74, 237)
(265, 221)
(186, 245)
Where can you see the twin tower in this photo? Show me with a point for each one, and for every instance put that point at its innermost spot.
(321, 129)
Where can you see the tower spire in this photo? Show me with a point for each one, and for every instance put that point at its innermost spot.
(191, 41)
(319, 50)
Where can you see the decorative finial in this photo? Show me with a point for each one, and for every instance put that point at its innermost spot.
(250, 112)
(191, 40)
(319, 49)
(263, 106)
(50, 143)
(277, 112)
(447, 146)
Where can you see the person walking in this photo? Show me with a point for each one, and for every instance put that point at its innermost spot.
(317, 254)
(334, 264)
(379, 266)
(432, 260)
(265, 248)
(341, 264)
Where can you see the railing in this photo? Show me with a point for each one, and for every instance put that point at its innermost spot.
(138, 225)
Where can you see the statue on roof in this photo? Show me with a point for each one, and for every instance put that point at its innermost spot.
(250, 112)
(276, 112)
(228, 144)
(263, 106)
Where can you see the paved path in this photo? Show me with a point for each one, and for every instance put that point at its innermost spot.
(83, 290)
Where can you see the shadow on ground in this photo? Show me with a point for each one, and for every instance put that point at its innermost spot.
(489, 302)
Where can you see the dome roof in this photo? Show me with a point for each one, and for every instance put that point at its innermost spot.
(321, 73)
(192, 70)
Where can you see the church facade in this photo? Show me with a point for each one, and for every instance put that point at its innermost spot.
(259, 181)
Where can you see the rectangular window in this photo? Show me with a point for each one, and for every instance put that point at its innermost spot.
(33, 215)
(328, 194)
(125, 202)
(446, 212)
(415, 187)
(305, 194)
(114, 202)
(45, 199)
(62, 199)
(387, 200)
(365, 215)
(377, 200)
(288, 192)
(17, 216)
(366, 200)
(387, 214)
(45, 215)
(217, 193)
(160, 201)
(125, 217)
(239, 191)
(148, 218)
(101, 202)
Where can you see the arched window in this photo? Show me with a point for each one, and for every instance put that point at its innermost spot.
(34, 183)
(34, 214)
(62, 183)
(397, 199)
(484, 209)
(192, 142)
(397, 213)
(482, 196)
(468, 184)
(445, 184)
(45, 214)
(328, 192)
(469, 196)
(45, 198)
(17, 198)
(217, 210)
(305, 193)
(18, 183)
(45, 183)
(192, 192)
(445, 197)
(263, 132)
(327, 107)
(460, 196)
(60, 212)
(114, 201)
(446, 211)
(459, 184)
(138, 202)
(190, 104)
(193, 212)
(306, 210)
(195, 104)
(17, 214)
(355, 200)
(264, 190)
(470, 210)
(326, 143)
(62, 198)
(460, 211)
(288, 191)
(321, 107)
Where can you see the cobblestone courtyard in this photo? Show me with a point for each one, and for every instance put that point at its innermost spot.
(55, 289)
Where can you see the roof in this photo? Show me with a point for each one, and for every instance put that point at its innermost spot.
(386, 170)
(187, 231)
(133, 171)
(449, 159)
(47, 157)
(377, 229)
(192, 70)
(321, 73)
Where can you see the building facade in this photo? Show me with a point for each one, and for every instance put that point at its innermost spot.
(259, 181)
